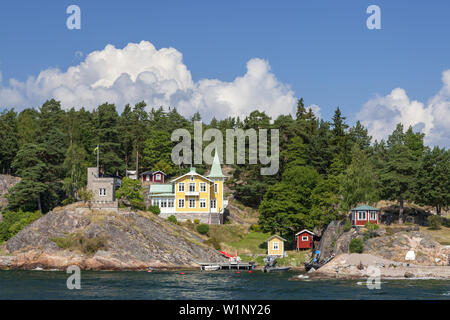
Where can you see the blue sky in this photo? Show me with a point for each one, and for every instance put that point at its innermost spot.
(321, 49)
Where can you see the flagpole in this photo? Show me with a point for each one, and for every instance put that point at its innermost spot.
(98, 168)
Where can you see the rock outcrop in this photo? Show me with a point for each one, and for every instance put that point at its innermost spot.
(134, 240)
(6, 183)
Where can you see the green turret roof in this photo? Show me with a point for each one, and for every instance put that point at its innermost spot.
(216, 170)
(365, 208)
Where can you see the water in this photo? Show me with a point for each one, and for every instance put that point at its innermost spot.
(207, 285)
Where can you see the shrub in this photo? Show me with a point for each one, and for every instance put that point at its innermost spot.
(80, 242)
(434, 222)
(188, 221)
(203, 228)
(255, 228)
(13, 222)
(196, 221)
(67, 201)
(214, 242)
(154, 209)
(172, 219)
(371, 226)
(347, 225)
(356, 246)
(137, 204)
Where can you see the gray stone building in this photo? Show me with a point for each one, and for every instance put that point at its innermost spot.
(103, 187)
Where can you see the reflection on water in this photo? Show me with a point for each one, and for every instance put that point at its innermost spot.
(206, 285)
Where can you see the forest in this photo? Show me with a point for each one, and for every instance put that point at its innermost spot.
(326, 167)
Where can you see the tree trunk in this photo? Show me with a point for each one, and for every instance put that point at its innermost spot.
(137, 161)
(400, 213)
(39, 203)
(438, 209)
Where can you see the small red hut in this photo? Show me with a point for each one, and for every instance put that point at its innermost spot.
(153, 176)
(363, 214)
(304, 239)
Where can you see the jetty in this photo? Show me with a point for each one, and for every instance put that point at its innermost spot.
(226, 266)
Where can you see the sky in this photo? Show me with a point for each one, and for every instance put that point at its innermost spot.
(230, 57)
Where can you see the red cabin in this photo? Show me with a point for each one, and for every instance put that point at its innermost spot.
(363, 214)
(304, 239)
(153, 177)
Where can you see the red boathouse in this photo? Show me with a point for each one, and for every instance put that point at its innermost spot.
(363, 214)
(153, 177)
(304, 239)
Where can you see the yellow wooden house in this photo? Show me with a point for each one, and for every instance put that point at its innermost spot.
(193, 196)
(275, 246)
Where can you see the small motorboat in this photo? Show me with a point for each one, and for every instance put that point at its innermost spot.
(211, 268)
(276, 269)
(270, 263)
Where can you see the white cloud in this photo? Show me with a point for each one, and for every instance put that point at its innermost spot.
(381, 114)
(159, 77)
(315, 109)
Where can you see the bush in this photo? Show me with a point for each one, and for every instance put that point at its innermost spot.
(80, 242)
(356, 246)
(13, 222)
(371, 226)
(434, 222)
(347, 225)
(196, 221)
(67, 201)
(172, 219)
(255, 228)
(154, 209)
(137, 204)
(203, 228)
(214, 242)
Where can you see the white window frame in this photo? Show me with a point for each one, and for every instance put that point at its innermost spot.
(181, 187)
(170, 203)
(276, 245)
(192, 184)
(213, 204)
(202, 186)
(373, 215)
(305, 238)
(100, 193)
(202, 203)
(163, 203)
(155, 202)
(181, 201)
(189, 203)
(158, 176)
(216, 187)
(364, 213)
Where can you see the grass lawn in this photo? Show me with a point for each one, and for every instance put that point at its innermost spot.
(442, 235)
(252, 243)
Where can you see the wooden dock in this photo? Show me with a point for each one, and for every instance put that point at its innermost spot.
(227, 265)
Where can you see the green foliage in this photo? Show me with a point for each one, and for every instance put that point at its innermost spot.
(85, 194)
(347, 225)
(81, 243)
(13, 222)
(154, 209)
(356, 246)
(131, 192)
(67, 201)
(255, 228)
(434, 222)
(214, 243)
(203, 228)
(371, 226)
(196, 221)
(172, 219)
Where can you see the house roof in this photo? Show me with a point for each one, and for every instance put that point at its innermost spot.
(192, 172)
(216, 169)
(276, 236)
(304, 230)
(151, 172)
(365, 207)
(161, 188)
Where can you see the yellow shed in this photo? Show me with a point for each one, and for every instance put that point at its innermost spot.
(275, 246)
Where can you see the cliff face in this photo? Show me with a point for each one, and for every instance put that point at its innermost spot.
(6, 183)
(131, 240)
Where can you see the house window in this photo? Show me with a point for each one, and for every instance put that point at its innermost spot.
(216, 187)
(213, 204)
(181, 187)
(192, 178)
(191, 186)
(163, 203)
(202, 187)
(202, 203)
(155, 202)
(373, 215)
(170, 203)
(180, 203)
(275, 245)
(362, 215)
(158, 176)
(191, 203)
(305, 238)
(102, 192)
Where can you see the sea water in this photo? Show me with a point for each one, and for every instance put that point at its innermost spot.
(207, 285)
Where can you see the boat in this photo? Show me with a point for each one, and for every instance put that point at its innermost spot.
(211, 268)
(270, 263)
(276, 269)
